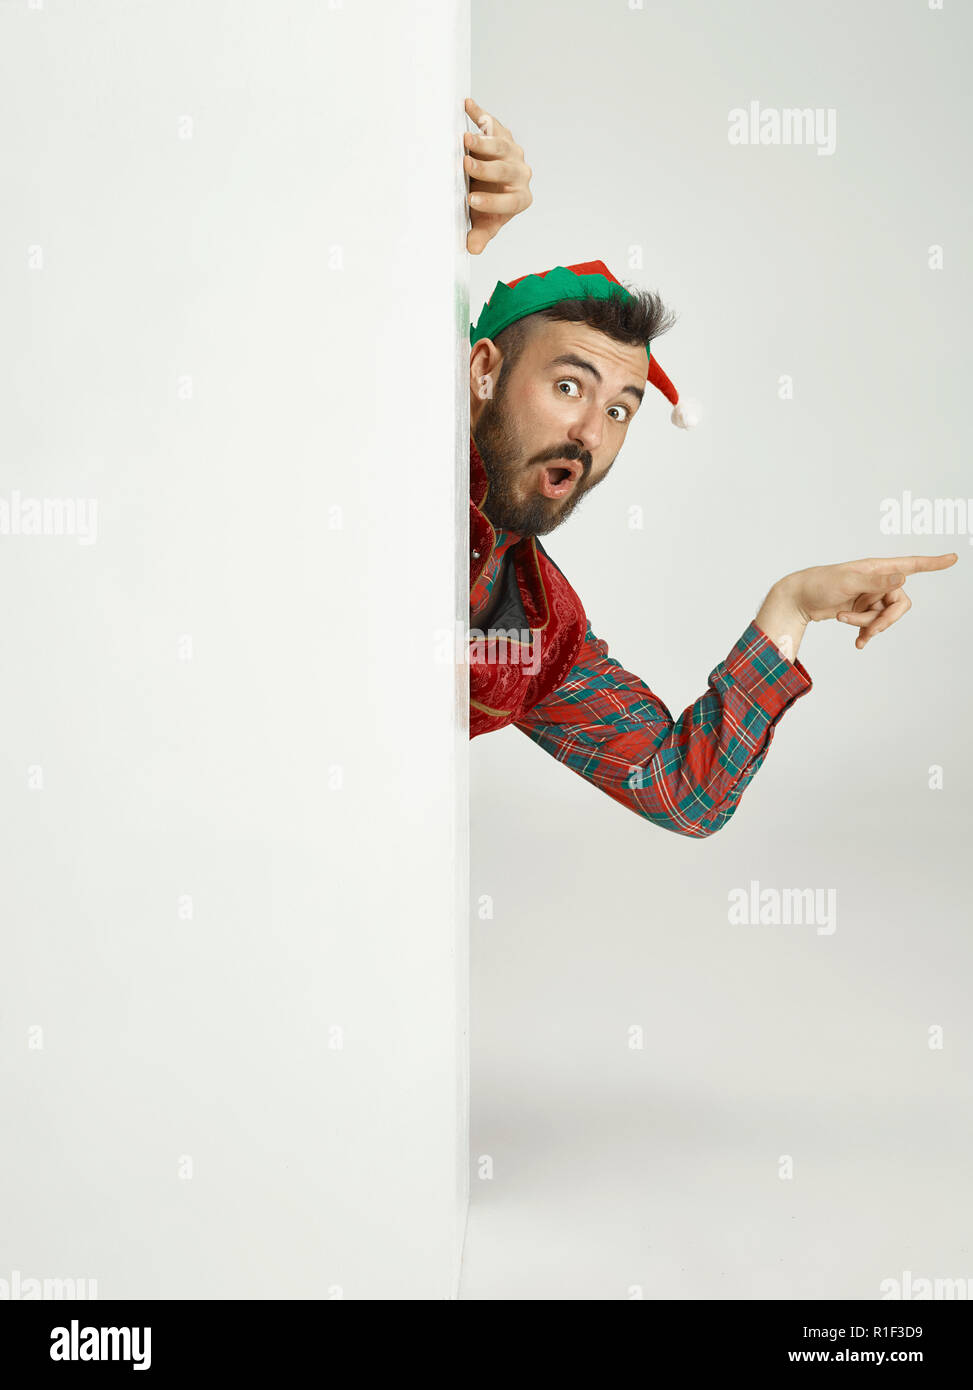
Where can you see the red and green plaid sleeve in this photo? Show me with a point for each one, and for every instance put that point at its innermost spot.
(686, 774)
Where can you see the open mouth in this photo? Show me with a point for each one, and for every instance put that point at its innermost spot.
(557, 479)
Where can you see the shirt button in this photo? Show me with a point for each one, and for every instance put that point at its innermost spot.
(476, 554)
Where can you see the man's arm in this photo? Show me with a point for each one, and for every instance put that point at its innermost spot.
(687, 774)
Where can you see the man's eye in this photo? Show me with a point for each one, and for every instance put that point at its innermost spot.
(570, 381)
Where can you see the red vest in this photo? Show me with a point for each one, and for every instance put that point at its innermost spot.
(538, 605)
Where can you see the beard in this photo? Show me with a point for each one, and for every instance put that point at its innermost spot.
(506, 507)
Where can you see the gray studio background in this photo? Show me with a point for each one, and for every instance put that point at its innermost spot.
(619, 1172)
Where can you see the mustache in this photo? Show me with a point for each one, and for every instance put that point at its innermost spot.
(571, 452)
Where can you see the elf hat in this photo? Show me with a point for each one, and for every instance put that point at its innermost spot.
(590, 279)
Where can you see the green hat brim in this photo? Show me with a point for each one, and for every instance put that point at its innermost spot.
(534, 292)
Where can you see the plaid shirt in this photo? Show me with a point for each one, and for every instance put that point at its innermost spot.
(686, 774)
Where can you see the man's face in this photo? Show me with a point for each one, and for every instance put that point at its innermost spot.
(553, 430)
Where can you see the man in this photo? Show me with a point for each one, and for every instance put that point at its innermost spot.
(558, 365)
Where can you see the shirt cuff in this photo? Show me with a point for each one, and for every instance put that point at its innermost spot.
(756, 667)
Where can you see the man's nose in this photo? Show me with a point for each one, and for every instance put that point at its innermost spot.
(586, 428)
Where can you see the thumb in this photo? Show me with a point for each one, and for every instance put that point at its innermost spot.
(476, 239)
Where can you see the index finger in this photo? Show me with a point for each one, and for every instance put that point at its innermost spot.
(482, 118)
(916, 564)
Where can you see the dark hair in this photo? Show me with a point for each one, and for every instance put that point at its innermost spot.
(635, 321)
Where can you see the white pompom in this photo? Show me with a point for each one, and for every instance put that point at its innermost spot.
(686, 414)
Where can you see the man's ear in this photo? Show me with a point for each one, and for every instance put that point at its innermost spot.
(485, 360)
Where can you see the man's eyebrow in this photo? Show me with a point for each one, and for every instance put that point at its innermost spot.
(569, 359)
